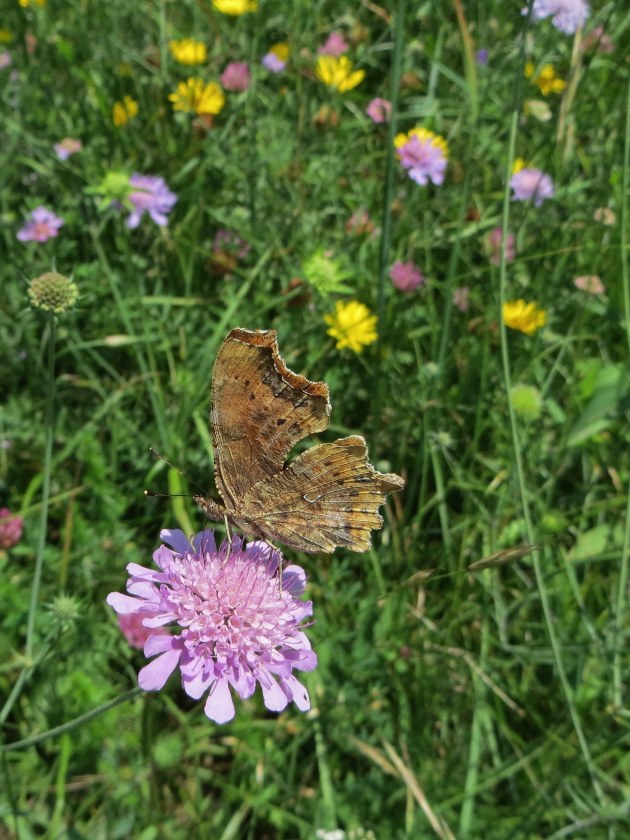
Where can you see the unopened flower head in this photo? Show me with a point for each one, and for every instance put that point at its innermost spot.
(337, 72)
(235, 620)
(423, 154)
(188, 51)
(10, 528)
(42, 226)
(198, 97)
(352, 325)
(545, 79)
(335, 45)
(532, 184)
(527, 401)
(53, 292)
(236, 76)
(379, 110)
(151, 194)
(524, 317)
(235, 7)
(124, 111)
(276, 59)
(406, 276)
(566, 15)
(68, 146)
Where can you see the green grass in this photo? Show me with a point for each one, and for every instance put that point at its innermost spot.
(446, 702)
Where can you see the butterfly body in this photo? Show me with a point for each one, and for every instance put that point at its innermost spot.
(327, 496)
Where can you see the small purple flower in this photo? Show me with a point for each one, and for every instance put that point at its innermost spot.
(531, 184)
(43, 225)
(236, 76)
(236, 621)
(423, 159)
(493, 246)
(335, 45)
(227, 241)
(566, 15)
(68, 146)
(151, 194)
(10, 528)
(379, 110)
(406, 276)
(271, 62)
(481, 57)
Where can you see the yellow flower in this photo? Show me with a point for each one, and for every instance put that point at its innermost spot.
(422, 134)
(522, 316)
(235, 7)
(124, 111)
(519, 163)
(5, 36)
(337, 72)
(352, 325)
(281, 51)
(546, 79)
(188, 51)
(26, 3)
(194, 95)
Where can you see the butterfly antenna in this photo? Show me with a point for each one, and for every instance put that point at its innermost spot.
(159, 457)
(168, 495)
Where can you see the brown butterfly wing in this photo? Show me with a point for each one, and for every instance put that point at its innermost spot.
(260, 410)
(328, 496)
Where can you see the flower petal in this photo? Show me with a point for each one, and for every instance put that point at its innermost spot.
(154, 675)
(219, 706)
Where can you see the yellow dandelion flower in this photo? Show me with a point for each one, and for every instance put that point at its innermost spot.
(188, 51)
(6, 35)
(124, 111)
(281, 51)
(235, 7)
(337, 72)
(519, 163)
(522, 316)
(352, 325)
(26, 3)
(197, 96)
(545, 80)
(422, 134)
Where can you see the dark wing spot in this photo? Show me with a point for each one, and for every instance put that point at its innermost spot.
(280, 421)
(252, 396)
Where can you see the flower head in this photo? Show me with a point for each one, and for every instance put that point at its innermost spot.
(235, 7)
(352, 325)
(529, 183)
(326, 273)
(522, 316)
(197, 96)
(276, 59)
(133, 629)
(152, 195)
(337, 72)
(406, 276)
(124, 111)
(236, 76)
(43, 225)
(188, 51)
(379, 110)
(461, 298)
(235, 621)
(360, 224)
(527, 401)
(566, 15)
(481, 57)
(423, 154)
(10, 528)
(26, 3)
(53, 292)
(493, 243)
(545, 79)
(335, 45)
(227, 249)
(590, 283)
(68, 146)
(5, 59)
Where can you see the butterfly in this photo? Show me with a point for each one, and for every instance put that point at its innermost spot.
(328, 496)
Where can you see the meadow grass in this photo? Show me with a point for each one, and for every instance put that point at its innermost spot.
(449, 701)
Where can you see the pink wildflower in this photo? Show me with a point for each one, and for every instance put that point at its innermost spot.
(493, 246)
(10, 528)
(236, 76)
(379, 110)
(43, 225)
(406, 276)
(590, 283)
(334, 45)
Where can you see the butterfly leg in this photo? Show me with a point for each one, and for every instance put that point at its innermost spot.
(228, 537)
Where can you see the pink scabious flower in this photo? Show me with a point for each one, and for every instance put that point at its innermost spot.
(379, 110)
(68, 146)
(42, 226)
(149, 194)
(423, 154)
(406, 276)
(335, 44)
(566, 15)
(529, 183)
(236, 621)
(10, 528)
(135, 631)
(236, 76)
(493, 243)
(5, 59)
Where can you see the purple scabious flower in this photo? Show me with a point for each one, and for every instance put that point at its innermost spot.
(566, 15)
(236, 621)
(406, 276)
(534, 184)
(423, 154)
(43, 225)
(150, 193)
(379, 110)
(236, 76)
(68, 146)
